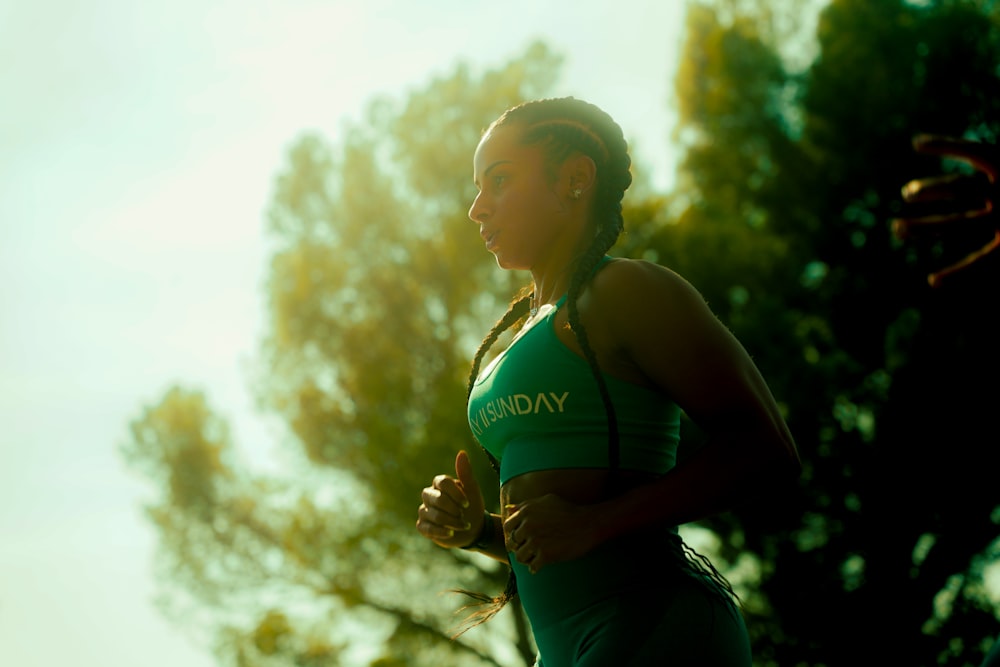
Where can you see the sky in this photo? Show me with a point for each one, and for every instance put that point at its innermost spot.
(138, 146)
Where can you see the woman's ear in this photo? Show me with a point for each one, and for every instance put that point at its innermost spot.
(580, 174)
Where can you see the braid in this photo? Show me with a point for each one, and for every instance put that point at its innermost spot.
(518, 308)
(587, 263)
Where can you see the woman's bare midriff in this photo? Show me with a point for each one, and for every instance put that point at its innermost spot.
(581, 486)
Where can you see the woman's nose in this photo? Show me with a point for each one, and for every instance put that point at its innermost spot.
(477, 212)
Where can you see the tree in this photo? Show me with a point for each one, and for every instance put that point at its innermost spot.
(376, 298)
(791, 173)
(898, 507)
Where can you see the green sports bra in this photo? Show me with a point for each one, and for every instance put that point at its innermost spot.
(537, 407)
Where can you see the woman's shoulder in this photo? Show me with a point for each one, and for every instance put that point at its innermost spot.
(626, 282)
(646, 318)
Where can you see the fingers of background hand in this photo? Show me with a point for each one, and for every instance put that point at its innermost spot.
(948, 187)
(510, 540)
(513, 537)
(935, 204)
(938, 278)
(466, 475)
(983, 156)
(944, 226)
(940, 144)
(524, 552)
(529, 554)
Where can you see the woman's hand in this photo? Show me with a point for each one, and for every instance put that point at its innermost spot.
(548, 530)
(954, 205)
(452, 512)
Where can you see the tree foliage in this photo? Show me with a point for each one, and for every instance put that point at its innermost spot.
(887, 385)
(378, 291)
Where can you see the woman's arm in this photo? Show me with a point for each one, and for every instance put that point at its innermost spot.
(663, 325)
(653, 324)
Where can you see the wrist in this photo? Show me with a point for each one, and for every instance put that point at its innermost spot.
(613, 518)
(485, 536)
(603, 522)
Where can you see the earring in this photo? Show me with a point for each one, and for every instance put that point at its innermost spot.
(575, 193)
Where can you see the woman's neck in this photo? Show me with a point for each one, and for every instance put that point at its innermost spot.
(552, 282)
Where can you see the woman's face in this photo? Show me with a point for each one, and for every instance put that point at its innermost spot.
(521, 215)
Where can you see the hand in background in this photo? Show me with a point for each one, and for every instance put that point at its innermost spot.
(959, 206)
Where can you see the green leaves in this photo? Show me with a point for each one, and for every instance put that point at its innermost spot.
(792, 178)
(378, 289)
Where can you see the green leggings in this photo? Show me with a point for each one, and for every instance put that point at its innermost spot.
(635, 602)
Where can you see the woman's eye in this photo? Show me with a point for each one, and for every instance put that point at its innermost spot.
(499, 179)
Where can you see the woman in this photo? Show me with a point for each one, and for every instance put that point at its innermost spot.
(580, 414)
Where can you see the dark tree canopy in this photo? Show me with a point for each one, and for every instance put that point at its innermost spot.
(888, 384)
